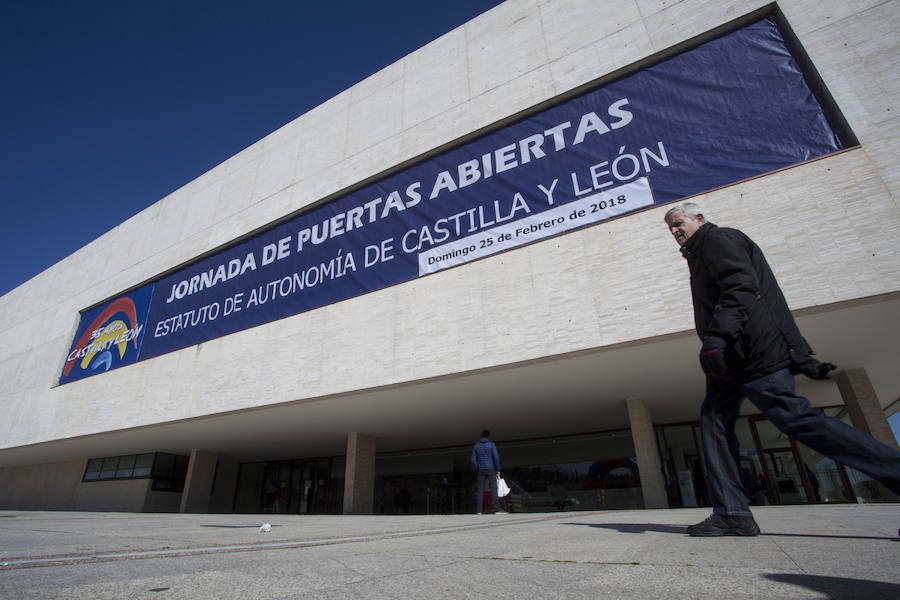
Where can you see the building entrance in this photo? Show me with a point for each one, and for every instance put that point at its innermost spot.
(302, 486)
(589, 471)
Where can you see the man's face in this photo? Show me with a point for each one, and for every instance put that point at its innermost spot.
(682, 226)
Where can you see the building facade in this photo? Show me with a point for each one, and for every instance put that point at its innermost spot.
(357, 381)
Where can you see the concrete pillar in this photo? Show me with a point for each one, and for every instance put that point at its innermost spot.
(863, 406)
(653, 486)
(198, 482)
(359, 475)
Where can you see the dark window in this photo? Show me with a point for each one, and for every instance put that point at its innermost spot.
(167, 470)
(126, 466)
(143, 464)
(92, 472)
(108, 470)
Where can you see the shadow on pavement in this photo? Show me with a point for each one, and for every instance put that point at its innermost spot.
(682, 530)
(239, 526)
(637, 527)
(840, 588)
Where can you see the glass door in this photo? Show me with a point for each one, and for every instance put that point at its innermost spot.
(316, 473)
(276, 487)
(295, 495)
(789, 484)
(297, 486)
(797, 474)
(782, 464)
(827, 479)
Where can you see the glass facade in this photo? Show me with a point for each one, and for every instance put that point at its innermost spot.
(168, 470)
(776, 469)
(680, 450)
(862, 488)
(302, 486)
(591, 471)
(581, 472)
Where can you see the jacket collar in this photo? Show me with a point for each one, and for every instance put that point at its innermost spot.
(696, 240)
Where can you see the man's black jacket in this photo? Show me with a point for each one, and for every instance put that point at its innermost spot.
(737, 298)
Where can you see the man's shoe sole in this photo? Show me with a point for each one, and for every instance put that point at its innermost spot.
(724, 532)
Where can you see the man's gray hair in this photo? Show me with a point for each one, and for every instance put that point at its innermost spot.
(690, 210)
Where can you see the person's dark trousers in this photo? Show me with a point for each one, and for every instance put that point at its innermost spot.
(774, 396)
(485, 476)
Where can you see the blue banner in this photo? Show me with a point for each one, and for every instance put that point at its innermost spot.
(733, 108)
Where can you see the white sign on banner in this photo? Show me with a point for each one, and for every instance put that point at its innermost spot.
(578, 213)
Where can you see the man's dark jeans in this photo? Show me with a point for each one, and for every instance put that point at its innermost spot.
(774, 396)
(484, 476)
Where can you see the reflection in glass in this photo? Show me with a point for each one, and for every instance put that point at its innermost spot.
(686, 485)
(864, 488)
(126, 466)
(108, 470)
(826, 479)
(782, 464)
(580, 472)
(752, 471)
(142, 465)
(92, 471)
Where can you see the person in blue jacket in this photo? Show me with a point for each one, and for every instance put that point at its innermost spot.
(486, 459)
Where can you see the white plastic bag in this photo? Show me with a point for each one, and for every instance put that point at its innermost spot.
(502, 488)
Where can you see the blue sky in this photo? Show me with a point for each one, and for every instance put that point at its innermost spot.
(108, 106)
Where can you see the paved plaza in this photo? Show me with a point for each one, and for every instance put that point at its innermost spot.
(822, 551)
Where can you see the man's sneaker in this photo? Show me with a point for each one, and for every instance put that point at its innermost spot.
(716, 525)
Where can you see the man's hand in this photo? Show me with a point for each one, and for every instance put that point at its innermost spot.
(824, 369)
(813, 368)
(712, 356)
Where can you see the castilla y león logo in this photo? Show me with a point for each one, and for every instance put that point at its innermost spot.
(109, 336)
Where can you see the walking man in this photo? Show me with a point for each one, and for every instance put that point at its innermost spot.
(486, 459)
(751, 347)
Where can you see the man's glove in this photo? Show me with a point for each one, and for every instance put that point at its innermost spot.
(712, 356)
(813, 368)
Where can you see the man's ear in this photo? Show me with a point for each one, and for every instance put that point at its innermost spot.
(700, 218)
